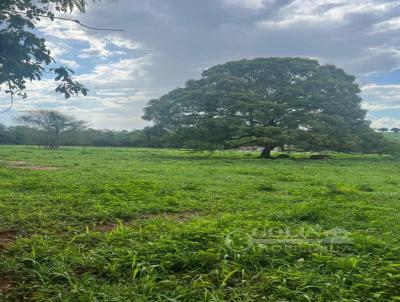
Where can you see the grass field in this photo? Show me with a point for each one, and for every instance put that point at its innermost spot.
(165, 225)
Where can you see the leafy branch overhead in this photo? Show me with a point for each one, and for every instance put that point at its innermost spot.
(24, 55)
(67, 86)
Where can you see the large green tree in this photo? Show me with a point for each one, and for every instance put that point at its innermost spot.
(268, 102)
(23, 54)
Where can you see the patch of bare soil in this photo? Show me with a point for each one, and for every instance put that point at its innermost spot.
(26, 166)
(37, 168)
(105, 227)
(6, 237)
(6, 283)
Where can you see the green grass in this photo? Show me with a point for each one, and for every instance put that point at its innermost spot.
(167, 225)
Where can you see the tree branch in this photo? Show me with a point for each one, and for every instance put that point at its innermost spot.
(83, 25)
(10, 106)
(240, 137)
(69, 19)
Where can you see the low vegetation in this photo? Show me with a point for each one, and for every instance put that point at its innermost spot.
(166, 225)
(393, 137)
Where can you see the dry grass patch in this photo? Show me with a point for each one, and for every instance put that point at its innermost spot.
(6, 283)
(105, 227)
(27, 166)
(37, 168)
(17, 163)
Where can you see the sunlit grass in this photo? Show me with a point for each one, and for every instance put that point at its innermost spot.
(152, 225)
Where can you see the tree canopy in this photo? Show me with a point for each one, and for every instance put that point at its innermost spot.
(47, 126)
(267, 102)
(24, 55)
(383, 129)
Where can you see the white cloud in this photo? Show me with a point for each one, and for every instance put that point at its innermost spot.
(388, 25)
(69, 63)
(116, 75)
(58, 49)
(59, 31)
(386, 122)
(127, 44)
(381, 97)
(325, 12)
(250, 4)
(313, 12)
(97, 47)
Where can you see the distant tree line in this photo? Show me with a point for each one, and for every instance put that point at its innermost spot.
(22, 135)
(49, 129)
(385, 129)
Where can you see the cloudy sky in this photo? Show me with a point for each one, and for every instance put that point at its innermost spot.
(166, 42)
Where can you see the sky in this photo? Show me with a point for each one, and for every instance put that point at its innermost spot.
(166, 42)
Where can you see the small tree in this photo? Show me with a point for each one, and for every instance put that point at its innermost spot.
(395, 130)
(383, 129)
(49, 125)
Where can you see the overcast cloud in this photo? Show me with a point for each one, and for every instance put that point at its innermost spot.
(166, 42)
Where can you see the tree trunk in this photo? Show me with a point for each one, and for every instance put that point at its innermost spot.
(266, 152)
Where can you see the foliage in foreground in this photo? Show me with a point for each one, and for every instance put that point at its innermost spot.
(152, 225)
(23, 54)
